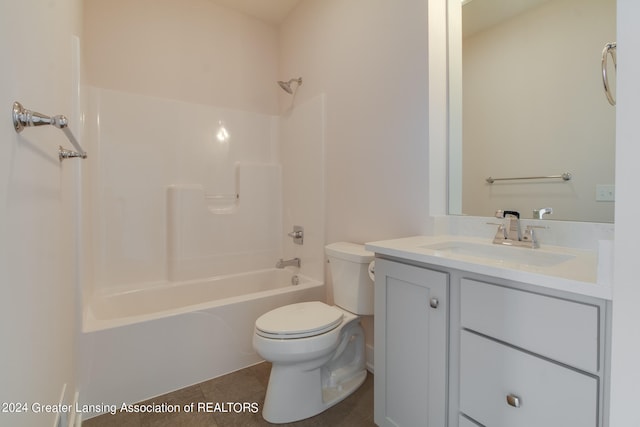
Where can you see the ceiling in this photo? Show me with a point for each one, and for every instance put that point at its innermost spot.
(491, 11)
(271, 11)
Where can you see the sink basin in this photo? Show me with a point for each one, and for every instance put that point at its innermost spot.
(500, 253)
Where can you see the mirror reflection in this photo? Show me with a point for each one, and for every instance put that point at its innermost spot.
(527, 100)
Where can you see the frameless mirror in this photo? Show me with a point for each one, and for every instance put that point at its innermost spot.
(527, 102)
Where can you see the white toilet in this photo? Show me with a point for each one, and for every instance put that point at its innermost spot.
(316, 350)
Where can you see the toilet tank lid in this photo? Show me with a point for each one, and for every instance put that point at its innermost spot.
(349, 251)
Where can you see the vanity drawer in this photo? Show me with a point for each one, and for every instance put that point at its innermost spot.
(562, 330)
(548, 394)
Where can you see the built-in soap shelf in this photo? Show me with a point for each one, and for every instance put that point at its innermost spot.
(222, 203)
(222, 196)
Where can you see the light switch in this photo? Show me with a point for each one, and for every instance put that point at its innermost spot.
(605, 192)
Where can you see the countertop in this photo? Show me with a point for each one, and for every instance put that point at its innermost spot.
(578, 274)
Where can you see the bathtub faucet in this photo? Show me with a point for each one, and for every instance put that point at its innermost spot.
(284, 263)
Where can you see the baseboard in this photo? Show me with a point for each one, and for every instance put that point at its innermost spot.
(67, 418)
(61, 417)
(76, 419)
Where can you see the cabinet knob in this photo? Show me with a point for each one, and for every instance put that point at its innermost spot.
(513, 400)
(433, 302)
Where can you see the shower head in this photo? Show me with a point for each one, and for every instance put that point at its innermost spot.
(286, 86)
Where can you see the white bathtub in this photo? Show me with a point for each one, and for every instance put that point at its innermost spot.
(140, 343)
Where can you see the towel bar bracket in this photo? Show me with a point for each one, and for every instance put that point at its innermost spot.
(23, 117)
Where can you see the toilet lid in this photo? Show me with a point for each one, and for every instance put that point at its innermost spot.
(305, 319)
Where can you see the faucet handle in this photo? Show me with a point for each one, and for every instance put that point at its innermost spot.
(297, 234)
(501, 233)
(530, 235)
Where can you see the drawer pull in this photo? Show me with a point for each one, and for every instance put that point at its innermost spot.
(513, 400)
(433, 302)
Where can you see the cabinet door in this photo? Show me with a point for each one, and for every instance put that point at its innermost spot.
(411, 312)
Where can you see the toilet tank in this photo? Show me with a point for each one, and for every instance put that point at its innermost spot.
(352, 286)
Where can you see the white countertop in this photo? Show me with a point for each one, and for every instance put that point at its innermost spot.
(578, 274)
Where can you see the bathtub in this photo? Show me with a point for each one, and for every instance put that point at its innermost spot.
(140, 343)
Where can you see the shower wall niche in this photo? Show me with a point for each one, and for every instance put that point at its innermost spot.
(180, 190)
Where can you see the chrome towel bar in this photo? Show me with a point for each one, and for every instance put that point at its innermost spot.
(565, 176)
(26, 118)
(609, 49)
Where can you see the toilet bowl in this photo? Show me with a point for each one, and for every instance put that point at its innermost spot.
(317, 350)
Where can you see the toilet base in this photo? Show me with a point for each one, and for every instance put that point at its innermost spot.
(279, 407)
(334, 395)
(295, 393)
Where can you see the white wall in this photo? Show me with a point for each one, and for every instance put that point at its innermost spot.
(37, 199)
(369, 58)
(626, 292)
(203, 53)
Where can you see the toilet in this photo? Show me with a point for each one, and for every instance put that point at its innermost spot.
(317, 350)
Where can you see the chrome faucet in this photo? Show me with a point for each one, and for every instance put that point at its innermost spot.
(510, 234)
(295, 262)
(512, 230)
(297, 234)
(539, 213)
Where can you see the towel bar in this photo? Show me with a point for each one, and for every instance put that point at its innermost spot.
(565, 176)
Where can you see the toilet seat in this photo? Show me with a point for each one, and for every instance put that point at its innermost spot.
(301, 320)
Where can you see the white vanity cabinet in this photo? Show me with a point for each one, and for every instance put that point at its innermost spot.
(529, 359)
(455, 348)
(411, 317)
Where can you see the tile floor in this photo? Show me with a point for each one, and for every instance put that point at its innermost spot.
(246, 385)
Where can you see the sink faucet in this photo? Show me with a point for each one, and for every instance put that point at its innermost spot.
(295, 262)
(510, 234)
(512, 230)
(539, 213)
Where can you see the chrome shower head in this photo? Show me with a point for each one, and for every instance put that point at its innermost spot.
(286, 86)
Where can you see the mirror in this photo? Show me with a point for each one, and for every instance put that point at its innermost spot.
(527, 100)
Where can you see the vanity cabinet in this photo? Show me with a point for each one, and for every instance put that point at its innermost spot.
(411, 317)
(460, 349)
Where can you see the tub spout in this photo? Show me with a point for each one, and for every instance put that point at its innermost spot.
(284, 263)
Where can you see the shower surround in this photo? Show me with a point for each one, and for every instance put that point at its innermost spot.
(184, 199)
